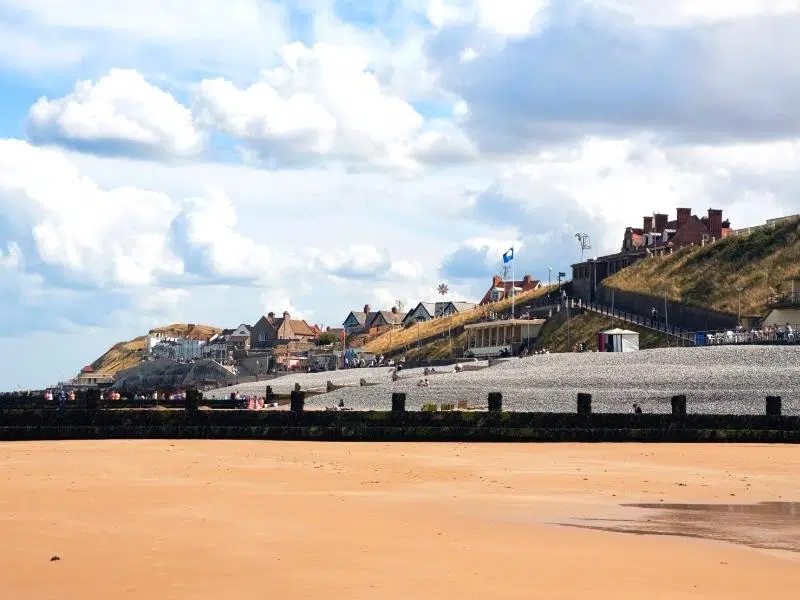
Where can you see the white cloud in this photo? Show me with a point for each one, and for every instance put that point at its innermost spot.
(120, 113)
(324, 102)
(235, 35)
(681, 13)
(204, 235)
(507, 18)
(96, 235)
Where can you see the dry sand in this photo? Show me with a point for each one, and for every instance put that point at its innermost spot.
(216, 519)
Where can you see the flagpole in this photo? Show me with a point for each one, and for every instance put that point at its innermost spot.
(513, 285)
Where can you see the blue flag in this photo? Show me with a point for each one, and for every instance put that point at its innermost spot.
(509, 255)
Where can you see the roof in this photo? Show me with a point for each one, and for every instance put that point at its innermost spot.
(393, 318)
(360, 316)
(300, 327)
(462, 306)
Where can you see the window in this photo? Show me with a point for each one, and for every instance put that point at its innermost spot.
(262, 337)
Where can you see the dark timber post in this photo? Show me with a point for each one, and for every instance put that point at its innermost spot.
(92, 396)
(297, 400)
(193, 398)
(269, 396)
(398, 402)
(584, 404)
(773, 406)
(679, 405)
(495, 402)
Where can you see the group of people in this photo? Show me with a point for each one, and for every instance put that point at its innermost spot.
(769, 333)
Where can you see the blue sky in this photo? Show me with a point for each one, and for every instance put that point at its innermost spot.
(209, 161)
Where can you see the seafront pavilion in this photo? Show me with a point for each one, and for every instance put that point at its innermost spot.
(490, 338)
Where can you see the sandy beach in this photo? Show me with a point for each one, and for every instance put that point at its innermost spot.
(214, 519)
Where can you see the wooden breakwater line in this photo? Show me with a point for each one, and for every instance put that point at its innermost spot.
(398, 424)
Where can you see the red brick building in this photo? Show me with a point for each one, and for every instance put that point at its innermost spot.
(658, 235)
(502, 289)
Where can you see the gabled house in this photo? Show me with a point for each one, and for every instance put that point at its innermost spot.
(383, 320)
(425, 311)
(270, 330)
(367, 320)
(356, 321)
(502, 289)
(239, 339)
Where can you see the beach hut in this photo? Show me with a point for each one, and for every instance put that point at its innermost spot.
(617, 340)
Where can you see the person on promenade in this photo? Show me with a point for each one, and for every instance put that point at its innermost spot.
(62, 399)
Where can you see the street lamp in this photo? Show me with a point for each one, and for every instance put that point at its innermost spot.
(258, 364)
(549, 274)
(739, 310)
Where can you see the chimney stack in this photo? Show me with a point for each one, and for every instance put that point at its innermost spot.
(367, 308)
(496, 281)
(715, 223)
(648, 225)
(684, 214)
(527, 280)
(286, 315)
(661, 223)
(394, 310)
(271, 315)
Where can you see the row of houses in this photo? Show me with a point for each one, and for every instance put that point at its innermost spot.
(369, 322)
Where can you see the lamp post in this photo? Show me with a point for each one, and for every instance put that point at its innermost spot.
(549, 274)
(443, 289)
(258, 365)
(739, 305)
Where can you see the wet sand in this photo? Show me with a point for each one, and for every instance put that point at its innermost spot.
(214, 519)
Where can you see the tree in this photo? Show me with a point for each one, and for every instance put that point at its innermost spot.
(326, 338)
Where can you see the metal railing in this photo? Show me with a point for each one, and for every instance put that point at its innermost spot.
(659, 324)
(767, 335)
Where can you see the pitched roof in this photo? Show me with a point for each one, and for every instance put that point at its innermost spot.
(300, 327)
(360, 316)
(462, 306)
(393, 318)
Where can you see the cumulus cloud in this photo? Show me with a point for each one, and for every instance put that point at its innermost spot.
(719, 82)
(179, 35)
(507, 18)
(323, 101)
(120, 113)
(204, 235)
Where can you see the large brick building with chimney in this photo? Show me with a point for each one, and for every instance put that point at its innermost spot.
(658, 235)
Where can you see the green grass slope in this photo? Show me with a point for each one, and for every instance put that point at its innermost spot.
(762, 264)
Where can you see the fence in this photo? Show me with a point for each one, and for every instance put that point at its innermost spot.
(769, 335)
(399, 425)
(677, 334)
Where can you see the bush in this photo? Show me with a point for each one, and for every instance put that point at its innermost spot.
(429, 407)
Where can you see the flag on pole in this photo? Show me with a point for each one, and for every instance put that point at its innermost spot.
(508, 256)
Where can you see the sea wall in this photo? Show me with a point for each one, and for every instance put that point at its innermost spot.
(72, 424)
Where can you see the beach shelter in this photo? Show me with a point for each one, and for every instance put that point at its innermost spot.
(617, 340)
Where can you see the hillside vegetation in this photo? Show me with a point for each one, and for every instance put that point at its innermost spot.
(762, 264)
(125, 355)
(402, 338)
(584, 329)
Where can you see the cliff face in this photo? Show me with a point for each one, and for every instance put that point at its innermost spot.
(125, 355)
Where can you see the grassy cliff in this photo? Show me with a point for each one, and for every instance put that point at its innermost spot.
(560, 337)
(125, 355)
(402, 338)
(762, 264)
